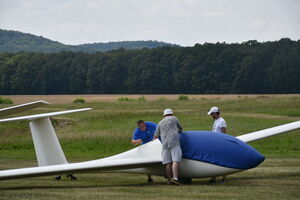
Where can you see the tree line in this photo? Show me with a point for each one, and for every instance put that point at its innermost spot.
(247, 68)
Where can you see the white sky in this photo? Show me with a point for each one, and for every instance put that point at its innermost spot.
(184, 22)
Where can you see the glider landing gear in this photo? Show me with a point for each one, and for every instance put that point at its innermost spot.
(185, 180)
(71, 176)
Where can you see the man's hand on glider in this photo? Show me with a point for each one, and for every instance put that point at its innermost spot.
(136, 142)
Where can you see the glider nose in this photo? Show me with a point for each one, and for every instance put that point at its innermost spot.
(254, 159)
(243, 155)
(219, 149)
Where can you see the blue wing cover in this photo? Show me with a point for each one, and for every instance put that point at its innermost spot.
(219, 149)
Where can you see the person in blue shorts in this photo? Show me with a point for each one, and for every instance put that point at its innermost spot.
(142, 134)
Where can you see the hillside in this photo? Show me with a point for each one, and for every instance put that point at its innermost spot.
(124, 45)
(14, 41)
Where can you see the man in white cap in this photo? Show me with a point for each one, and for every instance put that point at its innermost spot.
(220, 127)
(168, 129)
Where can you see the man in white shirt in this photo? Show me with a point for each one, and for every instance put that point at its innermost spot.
(220, 127)
(219, 123)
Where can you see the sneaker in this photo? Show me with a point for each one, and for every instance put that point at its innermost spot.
(72, 177)
(223, 180)
(174, 181)
(57, 177)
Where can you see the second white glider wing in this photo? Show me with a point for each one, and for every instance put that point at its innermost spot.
(83, 167)
(146, 155)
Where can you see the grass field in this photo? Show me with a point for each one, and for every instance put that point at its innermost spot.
(107, 129)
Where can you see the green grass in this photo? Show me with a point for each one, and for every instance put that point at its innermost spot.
(5, 101)
(79, 100)
(108, 128)
(183, 98)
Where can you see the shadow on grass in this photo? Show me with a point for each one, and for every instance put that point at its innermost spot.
(231, 181)
(272, 176)
(77, 186)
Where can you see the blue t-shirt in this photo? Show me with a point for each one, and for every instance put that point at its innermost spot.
(146, 135)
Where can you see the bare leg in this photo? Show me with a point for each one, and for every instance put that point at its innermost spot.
(175, 169)
(169, 171)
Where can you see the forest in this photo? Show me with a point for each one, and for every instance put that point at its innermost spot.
(240, 68)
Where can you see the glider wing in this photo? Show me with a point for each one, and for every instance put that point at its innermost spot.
(257, 135)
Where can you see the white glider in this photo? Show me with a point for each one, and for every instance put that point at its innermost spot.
(204, 154)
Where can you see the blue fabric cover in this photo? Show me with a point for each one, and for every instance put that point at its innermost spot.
(219, 149)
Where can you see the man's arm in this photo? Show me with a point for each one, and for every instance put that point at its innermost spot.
(179, 127)
(223, 126)
(136, 142)
(136, 138)
(223, 129)
(157, 132)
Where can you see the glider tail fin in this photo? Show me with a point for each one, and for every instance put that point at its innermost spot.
(47, 147)
(46, 144)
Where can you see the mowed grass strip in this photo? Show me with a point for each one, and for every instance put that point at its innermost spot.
(274, 179)
(108, 128)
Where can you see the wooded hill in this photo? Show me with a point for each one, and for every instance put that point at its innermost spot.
(14, 41)
(250, 67)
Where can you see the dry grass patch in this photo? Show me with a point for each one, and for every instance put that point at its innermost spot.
(64, 99)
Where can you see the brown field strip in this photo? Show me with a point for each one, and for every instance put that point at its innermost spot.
(62, 99)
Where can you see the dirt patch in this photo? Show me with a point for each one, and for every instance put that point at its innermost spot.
(62, 99)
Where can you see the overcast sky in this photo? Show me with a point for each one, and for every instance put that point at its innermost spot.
(184, 22)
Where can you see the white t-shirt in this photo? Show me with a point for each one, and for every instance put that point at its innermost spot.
(218, 124)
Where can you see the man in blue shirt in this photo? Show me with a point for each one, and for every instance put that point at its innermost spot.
(142, 134)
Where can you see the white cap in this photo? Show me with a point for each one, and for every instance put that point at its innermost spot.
(168, 112)
(213, 110)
